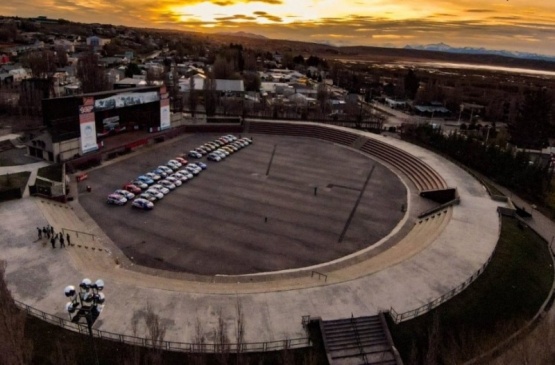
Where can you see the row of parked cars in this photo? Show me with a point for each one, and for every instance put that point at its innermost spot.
(154, 185)
(220, 148)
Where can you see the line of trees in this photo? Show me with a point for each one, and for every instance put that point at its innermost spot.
(509, 168)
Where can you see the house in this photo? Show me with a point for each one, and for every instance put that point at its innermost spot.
(64, 44)
(97, 42)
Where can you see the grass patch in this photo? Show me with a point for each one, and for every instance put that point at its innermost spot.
(509, 293)
(52, 172)
(17, 180)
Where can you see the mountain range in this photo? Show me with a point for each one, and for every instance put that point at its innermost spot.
(442, 47)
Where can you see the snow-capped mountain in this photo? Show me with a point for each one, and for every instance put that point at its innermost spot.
(442, 47)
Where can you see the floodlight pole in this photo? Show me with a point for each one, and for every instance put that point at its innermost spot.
(88, 293)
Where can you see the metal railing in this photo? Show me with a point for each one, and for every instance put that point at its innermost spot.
(400, 317)
(294, 343)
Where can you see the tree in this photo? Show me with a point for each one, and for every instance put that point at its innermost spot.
(61, 57)
(210, 96)
(15, 349)
(323, 96)
(132, 69)
(252, 81)
(42, 63)
(192, 96)
(532, 125)
(223, 68)
(92, 76)
(412, 83)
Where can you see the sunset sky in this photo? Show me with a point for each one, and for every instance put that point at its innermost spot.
(519, 25)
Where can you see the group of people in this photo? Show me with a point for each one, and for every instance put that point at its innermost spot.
(48, 233)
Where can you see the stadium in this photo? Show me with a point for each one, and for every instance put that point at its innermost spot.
(311, 222)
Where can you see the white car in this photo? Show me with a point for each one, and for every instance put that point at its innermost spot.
(194, 154)
(186, 173)
(175, 162)
(147, 196)
(140, 184)
(193, 169)
(155, 193)
(221, 151)
(173, 165)
(166, 169)
(174, 180)
(160, 188)
(127, 194)
(178, 176)
(143, 204)
(116, 199)
(214, 157)
(153, 176)
(167, 184)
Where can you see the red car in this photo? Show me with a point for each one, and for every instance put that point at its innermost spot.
(132, 188)
(181, 160)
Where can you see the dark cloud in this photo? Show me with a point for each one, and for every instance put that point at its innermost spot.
(479, 11)
(235, 17)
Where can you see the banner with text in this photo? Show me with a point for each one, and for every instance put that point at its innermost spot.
(165, 121)
(87, 125)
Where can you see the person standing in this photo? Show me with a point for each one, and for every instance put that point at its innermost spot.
(68, 240)
(53, 242)
(51, 230)
(40, 232)
(62, 241)
(44, 231)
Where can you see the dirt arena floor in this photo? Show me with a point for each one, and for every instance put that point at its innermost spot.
(255, 211)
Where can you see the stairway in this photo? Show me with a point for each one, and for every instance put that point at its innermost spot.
(359, 142)
(358, 341)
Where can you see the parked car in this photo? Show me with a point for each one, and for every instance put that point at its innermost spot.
(173, 164)
(147, 180)
(181, 160)
(161, 173)
(194, 154)
(141, 203)
(160, 188)
(174, 180)
(167, 184)
(132, 188)
(153, 176)
(116, 199)
(193, 170)
(155, 193)
(166, 169)
(200, 164)
(181, 177)
(148, 196)
(127, 194)
(140, 184)
(186, 173)
(214, 157)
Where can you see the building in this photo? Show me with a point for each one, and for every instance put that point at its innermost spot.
(79, 124)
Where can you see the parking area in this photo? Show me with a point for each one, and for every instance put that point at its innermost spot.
(255, 211)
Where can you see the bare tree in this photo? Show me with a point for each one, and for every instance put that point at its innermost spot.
(210, 96)
(92, 76)
(15, 349)
(42, 63)
(221, 340)
(193, 101)
(61, 56)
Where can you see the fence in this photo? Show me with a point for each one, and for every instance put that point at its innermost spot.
(295, 343)
(400, 317)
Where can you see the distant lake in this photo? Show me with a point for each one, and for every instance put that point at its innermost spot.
(481, 67)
